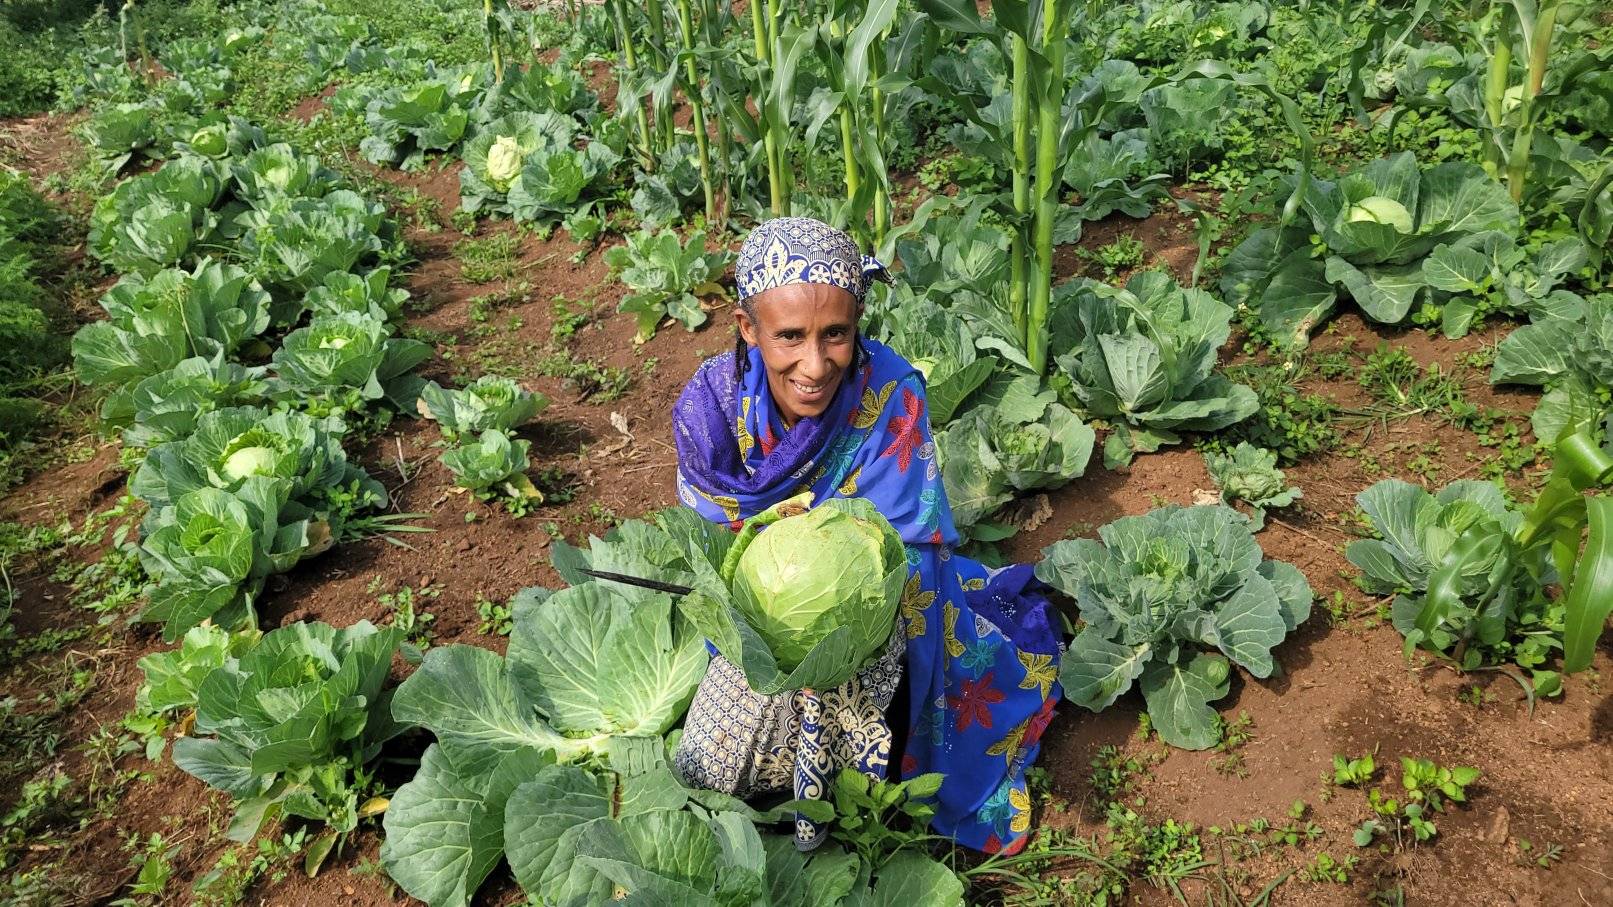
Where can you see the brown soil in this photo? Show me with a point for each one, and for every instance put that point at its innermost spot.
(1344, 688)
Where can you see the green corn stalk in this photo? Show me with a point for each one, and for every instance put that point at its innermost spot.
(697, 107)
(847, 149)
(882, 200)
(1512, 132)
(630, 67)
(491, 26)
(1049, 179)
(656, 16)
(764, 62)
(1019, 250)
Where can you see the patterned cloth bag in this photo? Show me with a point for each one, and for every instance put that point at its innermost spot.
(742, 743)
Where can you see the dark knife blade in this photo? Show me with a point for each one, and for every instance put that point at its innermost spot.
(639, 581)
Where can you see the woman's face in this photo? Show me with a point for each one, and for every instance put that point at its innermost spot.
(805, 333)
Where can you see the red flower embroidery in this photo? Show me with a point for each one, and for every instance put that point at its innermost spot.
(910, 765)
(1016, 847)
(907, 438)
(992, 844)
(1038, 723)
(974, 704)
(768, 440)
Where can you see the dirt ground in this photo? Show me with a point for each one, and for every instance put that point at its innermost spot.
(1343, 688)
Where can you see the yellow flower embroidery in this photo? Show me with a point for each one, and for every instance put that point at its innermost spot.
(849, 486)
(950, 617)
(1021, 803)
(914, 600)
(873, 404)
(974, 585)
(1038, 672)
(1008, 747)
(730, 506)
(742, 431)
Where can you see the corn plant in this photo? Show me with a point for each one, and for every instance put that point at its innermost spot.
(1044, 132)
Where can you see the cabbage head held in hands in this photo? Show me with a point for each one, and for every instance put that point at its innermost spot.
(808, 602)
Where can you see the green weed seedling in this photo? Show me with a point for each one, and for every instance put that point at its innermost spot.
(880, 818)
(498, 618)
(489, 258)
(1428, 788)
(410, 615)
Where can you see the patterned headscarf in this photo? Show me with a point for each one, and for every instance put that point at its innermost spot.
(792, 250)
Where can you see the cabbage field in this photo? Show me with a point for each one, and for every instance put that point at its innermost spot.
(338, 347)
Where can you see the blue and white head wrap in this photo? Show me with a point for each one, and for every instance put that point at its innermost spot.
(792, 250)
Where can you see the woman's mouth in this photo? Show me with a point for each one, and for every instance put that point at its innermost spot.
(810, 393)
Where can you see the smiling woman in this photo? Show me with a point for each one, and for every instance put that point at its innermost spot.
(805, 404)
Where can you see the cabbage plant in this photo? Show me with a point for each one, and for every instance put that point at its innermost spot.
(1571, 355)
(365, 294)
(590, 671)
(489, 402)
(1467, 543)
(1249, 474)
(210, 551)
(1014, 440)
(803, 598)
(1372, 229)
(293, 244)
(117, 132)
(528, 165)
(493, 462)
(155, 220)
(287, 728)
(667, 278)
(406, 123)
(336, 356)
(280, 170)
(1157, 592)
(166, 406)
(1145, 363)
(155, 323)
(233, 445)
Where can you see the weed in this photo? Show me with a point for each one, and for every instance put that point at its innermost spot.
(1547, 855)
(498, 618)
(408, 615)
(1324, 867)
(1235, 735)
(152, 857)
(490, 258)
(1293, 423)
(1118, 257)
(591, 379)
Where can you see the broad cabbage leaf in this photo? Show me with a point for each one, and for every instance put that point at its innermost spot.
(350, 352)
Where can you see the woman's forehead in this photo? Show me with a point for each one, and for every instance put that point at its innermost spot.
(805, 302)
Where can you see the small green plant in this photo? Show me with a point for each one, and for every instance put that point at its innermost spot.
(498, 618)
(152, 858)
(409, 615)
(1324, 867)
(489, 258)
(1235, 735)
(667, 278)
(1353, 772)
(879, 818)
(1118, 257)
(1427, 789)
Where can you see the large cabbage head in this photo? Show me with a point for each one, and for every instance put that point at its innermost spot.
(806, 575)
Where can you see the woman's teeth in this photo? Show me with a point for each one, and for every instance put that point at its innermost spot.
(806, 388)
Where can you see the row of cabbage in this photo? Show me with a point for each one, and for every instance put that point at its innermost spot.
(252, 325)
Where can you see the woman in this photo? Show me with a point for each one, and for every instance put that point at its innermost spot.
(804, 403)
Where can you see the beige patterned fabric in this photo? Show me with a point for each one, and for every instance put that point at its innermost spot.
(742, 743)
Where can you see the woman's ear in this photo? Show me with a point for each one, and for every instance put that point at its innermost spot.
(747, 327)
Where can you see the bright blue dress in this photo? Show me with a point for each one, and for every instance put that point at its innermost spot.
(982, 649)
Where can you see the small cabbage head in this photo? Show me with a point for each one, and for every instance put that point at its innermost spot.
(809, 574)
(254, 452)
(212, 140)
(504, 161)
(1379, 209)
